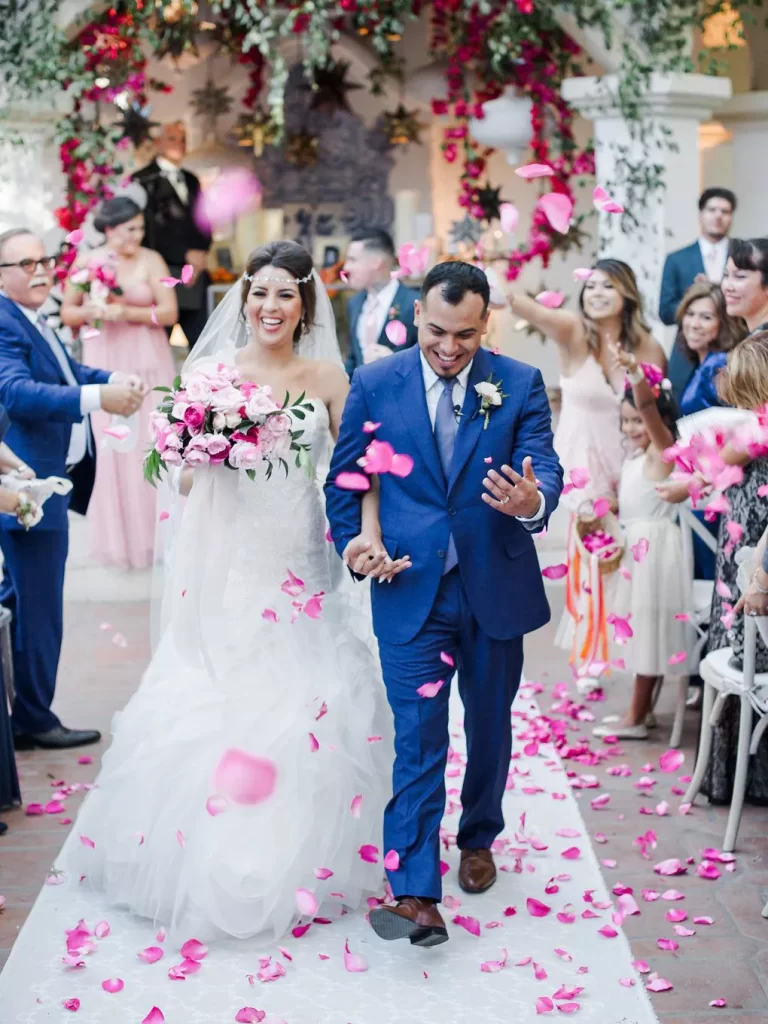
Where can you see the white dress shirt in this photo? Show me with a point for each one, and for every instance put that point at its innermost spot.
(176, 177)
(383, 301)
(434, 389)
(714, 256)
(90, 394)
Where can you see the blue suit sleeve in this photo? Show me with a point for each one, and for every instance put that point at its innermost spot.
(28, 399)
(87, 374)
(709, 379)
(344, 508)
(670, 292)
(534, 438)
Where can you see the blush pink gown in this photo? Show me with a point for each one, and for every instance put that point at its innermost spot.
(122, 515)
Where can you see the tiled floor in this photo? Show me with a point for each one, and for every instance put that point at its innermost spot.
(728, 959)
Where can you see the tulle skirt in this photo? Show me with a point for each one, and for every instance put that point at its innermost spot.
(305, 695)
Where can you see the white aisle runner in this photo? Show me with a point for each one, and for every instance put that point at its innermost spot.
(403, 985)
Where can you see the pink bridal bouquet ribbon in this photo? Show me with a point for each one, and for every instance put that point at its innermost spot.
(211, 417)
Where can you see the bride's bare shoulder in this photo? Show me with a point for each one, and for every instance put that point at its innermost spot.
(326, 374)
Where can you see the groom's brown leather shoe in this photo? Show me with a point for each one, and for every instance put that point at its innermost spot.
(477, 872)
(412, 918)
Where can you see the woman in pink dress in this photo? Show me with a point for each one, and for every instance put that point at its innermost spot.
(588, 439)
(124, 332)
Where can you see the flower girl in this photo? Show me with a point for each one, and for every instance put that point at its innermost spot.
(652, 593)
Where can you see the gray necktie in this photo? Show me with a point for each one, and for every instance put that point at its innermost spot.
(445, 435)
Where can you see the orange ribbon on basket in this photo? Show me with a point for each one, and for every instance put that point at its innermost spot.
(595, 645)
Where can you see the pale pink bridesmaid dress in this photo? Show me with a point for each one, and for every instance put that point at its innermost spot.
(123, 515)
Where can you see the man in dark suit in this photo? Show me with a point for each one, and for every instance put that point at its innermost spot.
(703, 260)
(49, 398)
(171, 228)
(380, 299)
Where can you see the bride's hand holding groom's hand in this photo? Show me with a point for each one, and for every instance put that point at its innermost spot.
(366, 555)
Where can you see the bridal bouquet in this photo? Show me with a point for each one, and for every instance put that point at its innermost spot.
(211, 417)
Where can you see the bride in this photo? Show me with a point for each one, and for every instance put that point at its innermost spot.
(242, 668)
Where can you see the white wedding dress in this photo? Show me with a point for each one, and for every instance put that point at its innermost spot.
(227, 676)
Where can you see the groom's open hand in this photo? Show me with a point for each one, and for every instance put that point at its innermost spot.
(512, 494)
(367, 556)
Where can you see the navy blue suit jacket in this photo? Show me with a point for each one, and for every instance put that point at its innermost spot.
(42, 407)
(680, 270)
(403, 306)
(497, 558)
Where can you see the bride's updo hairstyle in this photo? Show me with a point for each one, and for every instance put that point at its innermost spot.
(114, 212)
(296, 260)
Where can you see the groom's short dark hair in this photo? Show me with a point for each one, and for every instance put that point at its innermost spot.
(455, 279)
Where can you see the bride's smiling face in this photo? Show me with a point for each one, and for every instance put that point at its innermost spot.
(274, 307)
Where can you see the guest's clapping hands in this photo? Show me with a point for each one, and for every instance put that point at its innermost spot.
(367, 556)
(512, 494)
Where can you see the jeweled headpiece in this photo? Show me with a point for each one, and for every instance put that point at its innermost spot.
(279, 280)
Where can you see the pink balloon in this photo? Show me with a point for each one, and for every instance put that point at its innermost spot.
(244, 778)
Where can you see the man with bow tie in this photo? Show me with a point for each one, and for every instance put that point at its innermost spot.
(171, 229)
(48, 397)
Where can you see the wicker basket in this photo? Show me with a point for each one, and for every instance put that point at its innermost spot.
(587, 522)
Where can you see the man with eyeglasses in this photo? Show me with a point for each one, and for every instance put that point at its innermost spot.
(49, 398)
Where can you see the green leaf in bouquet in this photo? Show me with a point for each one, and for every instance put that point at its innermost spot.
(286, 400)
(177, 383)
(298, 414)
(161, 387)
(251, 474)
(301, 398)
(284, 464)
(303, 461)
(270, 467)
(296, 434)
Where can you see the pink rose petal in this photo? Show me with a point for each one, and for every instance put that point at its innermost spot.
(555, 572)
(356, 806)
(322, 873)
(402, 465)
(677, 659)
(249, 1015)
(550, 300)
(369, 853)
(396, 332)
(530, 171)
(151, 954)
(353, 963)
(703, 920)
(627, 982)
(113, 985)
(234, 191)
(155, 1016)
(244, 778)
(544, 1005)
(668, 944)
(216, 805)
(604, 202)
(471, 924)
(582, 273)
(392, 860)
(431, 689)
(718, 1002)
(73, 1005)
(558, 209)
(536, 908)
(659, 985)
(306, 903)
(493, 966)
(509, 217)
(353, 482)
(671, 866)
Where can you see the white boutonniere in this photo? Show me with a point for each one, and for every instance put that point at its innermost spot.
(491, 397)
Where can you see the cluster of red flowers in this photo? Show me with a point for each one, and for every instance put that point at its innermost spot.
(87, 149)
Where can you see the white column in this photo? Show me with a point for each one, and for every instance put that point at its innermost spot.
(30, 179)
(746, 119)
(674, 107)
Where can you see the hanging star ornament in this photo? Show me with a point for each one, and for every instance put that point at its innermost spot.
(466, 231)
(257, 130)
(135, 123)
(330, 87)
(301, 150)
(489, 201)
(212, 100)
(402, 126)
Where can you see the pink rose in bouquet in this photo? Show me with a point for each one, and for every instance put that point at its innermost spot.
(210, 417)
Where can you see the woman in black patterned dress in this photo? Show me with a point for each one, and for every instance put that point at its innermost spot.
(744, 384)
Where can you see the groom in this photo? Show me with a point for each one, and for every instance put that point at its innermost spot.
(464, 516)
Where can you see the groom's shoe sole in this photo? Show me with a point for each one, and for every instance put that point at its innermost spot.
(390, 926)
